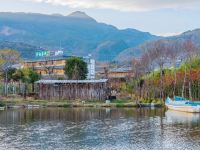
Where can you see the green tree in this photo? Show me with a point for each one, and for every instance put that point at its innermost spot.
(76, 68)
(17, 76)
(27, 76)
(33, 77)
(8, 58)
(23, 75)
(10, 74)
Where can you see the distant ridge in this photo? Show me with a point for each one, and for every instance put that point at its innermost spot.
(191, 35)
(80, 15)
(26, 51)
(77, 33)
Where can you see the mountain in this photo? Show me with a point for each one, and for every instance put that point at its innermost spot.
(26, 51)
(109, 49)
(130, 53)
(192, 35)
(80, 15)
(77, 34)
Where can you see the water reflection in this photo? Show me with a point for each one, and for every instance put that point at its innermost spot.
(24, 116)
(182, 117)
(89, 128)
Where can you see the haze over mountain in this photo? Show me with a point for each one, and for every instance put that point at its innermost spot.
(76, 34)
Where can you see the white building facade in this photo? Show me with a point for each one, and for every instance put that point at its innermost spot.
(91, 67)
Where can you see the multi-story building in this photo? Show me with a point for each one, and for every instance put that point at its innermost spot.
(91, 67)
(54, 65)
(50, 66)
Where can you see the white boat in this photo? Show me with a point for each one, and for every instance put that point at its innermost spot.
(181, 104)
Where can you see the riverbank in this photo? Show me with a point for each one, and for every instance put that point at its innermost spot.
(21, 103)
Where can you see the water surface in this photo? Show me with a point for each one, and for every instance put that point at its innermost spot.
(93, 129)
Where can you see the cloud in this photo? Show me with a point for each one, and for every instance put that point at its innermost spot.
(169, 34)
(126, 5)
(7, 31)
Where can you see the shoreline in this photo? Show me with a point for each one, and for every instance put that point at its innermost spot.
(20, 103)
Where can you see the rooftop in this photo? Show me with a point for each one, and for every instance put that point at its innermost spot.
(51, 67)
(70, 81)
(48, 59)
(121, 69)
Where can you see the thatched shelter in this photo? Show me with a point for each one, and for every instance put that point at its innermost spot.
(72, 89)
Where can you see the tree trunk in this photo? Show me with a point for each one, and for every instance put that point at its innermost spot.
(190, 89)
(6, 84)
(154, 89)
(19, 87)
(25, 90)
(174, 90)
(161, 83)
(33, 88)
(183, 87)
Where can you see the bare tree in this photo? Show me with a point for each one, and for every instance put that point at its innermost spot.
(138, 71)
(48, 66)
(173, 54)
(147, 59)
(160, 52)
(190, 51)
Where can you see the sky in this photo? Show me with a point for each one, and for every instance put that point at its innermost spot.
(159, 17)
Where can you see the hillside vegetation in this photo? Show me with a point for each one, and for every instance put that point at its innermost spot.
(76, 34)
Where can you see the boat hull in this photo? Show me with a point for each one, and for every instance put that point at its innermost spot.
(183, 105)
(191, 109)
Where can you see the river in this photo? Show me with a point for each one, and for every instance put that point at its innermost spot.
(98, 129)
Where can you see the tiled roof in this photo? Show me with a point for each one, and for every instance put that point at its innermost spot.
(48, 59)
(122, 69)
(51, 67)
(71, 81)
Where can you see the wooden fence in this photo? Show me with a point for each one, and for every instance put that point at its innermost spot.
(72, 89)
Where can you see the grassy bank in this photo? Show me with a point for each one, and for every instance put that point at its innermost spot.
(20, 102)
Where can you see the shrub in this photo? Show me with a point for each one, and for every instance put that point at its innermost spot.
(66, 105)
(151, 100)
(2, 104)
(119, 105)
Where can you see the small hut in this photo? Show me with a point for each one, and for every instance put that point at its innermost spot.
(72, 89)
